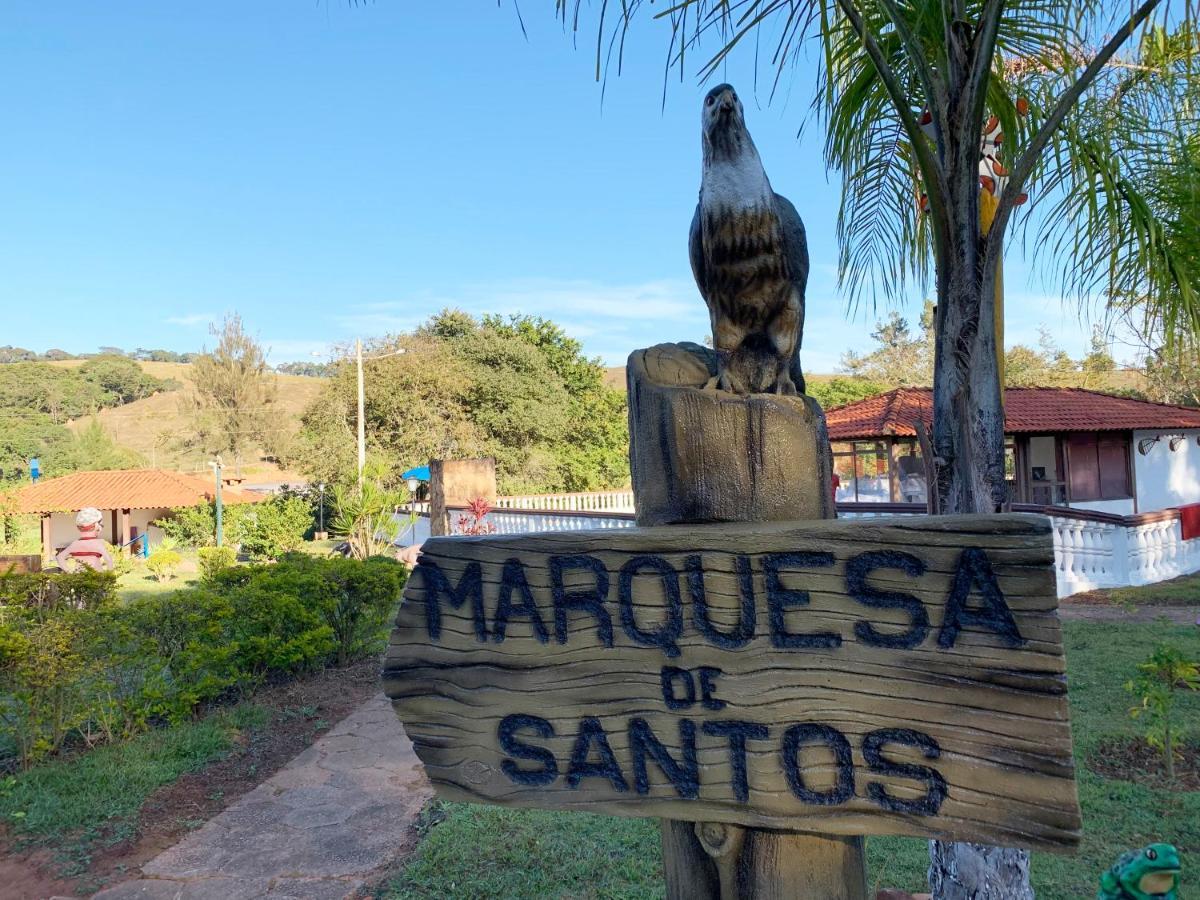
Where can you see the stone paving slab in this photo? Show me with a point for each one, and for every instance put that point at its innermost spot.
(316, 830)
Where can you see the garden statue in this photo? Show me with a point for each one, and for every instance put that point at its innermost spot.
(89, 549)
(749, 254)
(1148, 874)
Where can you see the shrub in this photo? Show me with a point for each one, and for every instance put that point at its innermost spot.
(214, 559)
(273, 527)
(49, 591)
(1160, 677)
(71, 662)
(164, 560)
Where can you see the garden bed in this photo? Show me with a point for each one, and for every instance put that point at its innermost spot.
(65, 843)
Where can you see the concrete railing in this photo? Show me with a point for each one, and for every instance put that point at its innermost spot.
(585, 501)
(1091, 549)
(1096, 550)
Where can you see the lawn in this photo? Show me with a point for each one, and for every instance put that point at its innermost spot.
(1183, 591)
(482, 851)
(77, 805)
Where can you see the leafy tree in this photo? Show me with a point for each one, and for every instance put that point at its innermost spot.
(840, 391)
(1173, 372)
(309, 369)
(901, 358)
(11, 354)
(518, 390)
(235, 402)
(120, 378)
(269, 529)
(907, 92)
(92, 448)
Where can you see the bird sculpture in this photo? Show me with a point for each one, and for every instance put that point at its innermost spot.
(750, 258)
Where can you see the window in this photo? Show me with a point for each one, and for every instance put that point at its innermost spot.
(862, 470)
(1099, 466)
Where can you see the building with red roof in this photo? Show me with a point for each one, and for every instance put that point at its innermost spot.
(130, 499)
(1064, 447)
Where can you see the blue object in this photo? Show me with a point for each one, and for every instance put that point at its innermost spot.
(421, 473)
(35, 469)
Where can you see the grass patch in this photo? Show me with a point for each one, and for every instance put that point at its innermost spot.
(483, 851)
(75, 805)
(1183, 591)
(487, 851)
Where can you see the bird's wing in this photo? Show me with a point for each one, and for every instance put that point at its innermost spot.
(795, 243)
(696, 252)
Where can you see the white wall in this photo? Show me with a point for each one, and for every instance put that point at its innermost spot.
(1166, 477)
(1116, 507)
(63, 530)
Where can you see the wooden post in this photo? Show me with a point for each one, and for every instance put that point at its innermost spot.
(123, 533)
(700, 456)
(454, 482)
(47, 539)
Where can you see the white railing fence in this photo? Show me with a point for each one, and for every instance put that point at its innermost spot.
(585, 501)
(1091, 550)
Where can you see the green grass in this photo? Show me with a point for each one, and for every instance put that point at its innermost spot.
(75, 805)
(1183, 591)
(483, 851)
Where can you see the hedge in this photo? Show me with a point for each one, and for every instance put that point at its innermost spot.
(76, 662)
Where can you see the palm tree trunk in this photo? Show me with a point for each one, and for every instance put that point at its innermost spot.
(968, 444)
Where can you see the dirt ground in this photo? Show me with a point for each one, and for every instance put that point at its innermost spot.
(301, 711)
(1132, 759)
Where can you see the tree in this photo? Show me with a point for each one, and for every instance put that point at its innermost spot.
(234, 403)
(518, 390)
(121, 378)
(839, 391)
(902, 359)
(913, 96)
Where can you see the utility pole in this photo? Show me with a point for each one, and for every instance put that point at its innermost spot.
(362, 428)
(216, 467)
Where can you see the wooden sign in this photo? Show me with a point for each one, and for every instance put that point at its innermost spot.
(898, 676)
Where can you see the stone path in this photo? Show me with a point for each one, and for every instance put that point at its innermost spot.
(316, 830)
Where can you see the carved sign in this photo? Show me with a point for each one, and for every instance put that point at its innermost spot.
(899, 676)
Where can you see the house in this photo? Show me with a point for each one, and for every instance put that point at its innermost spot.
(1063, 447)
(130, 499)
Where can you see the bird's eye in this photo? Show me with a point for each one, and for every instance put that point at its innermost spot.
(708, 102)
(1152, 854)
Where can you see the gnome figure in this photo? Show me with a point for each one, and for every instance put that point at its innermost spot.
(89, 549)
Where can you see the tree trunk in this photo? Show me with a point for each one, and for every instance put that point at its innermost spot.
(968, 443)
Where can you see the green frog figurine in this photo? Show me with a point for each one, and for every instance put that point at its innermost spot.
(1148, 874)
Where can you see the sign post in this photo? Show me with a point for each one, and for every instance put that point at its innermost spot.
(772, 690)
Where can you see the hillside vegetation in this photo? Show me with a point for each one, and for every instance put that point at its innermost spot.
(161, 429)
(111, 412)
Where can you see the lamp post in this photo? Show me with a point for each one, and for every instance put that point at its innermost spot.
(413, 484)
(321, 512)
(216, 467)
(361, 427)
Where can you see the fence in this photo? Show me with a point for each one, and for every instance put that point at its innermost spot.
(1091, 549)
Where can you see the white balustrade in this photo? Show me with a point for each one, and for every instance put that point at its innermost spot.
(1089, 553)
(587, 501)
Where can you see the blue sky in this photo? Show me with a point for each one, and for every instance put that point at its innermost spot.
(329, 171)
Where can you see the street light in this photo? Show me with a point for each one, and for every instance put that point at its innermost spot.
(413, 484)
(321, 513)
(362, 427)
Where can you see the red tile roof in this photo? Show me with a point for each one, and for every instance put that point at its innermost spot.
(1026, 410)
(123, 489)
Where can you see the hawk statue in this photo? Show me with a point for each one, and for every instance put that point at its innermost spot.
(750, 258)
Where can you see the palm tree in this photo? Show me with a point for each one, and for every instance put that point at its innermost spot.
(938, 111)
